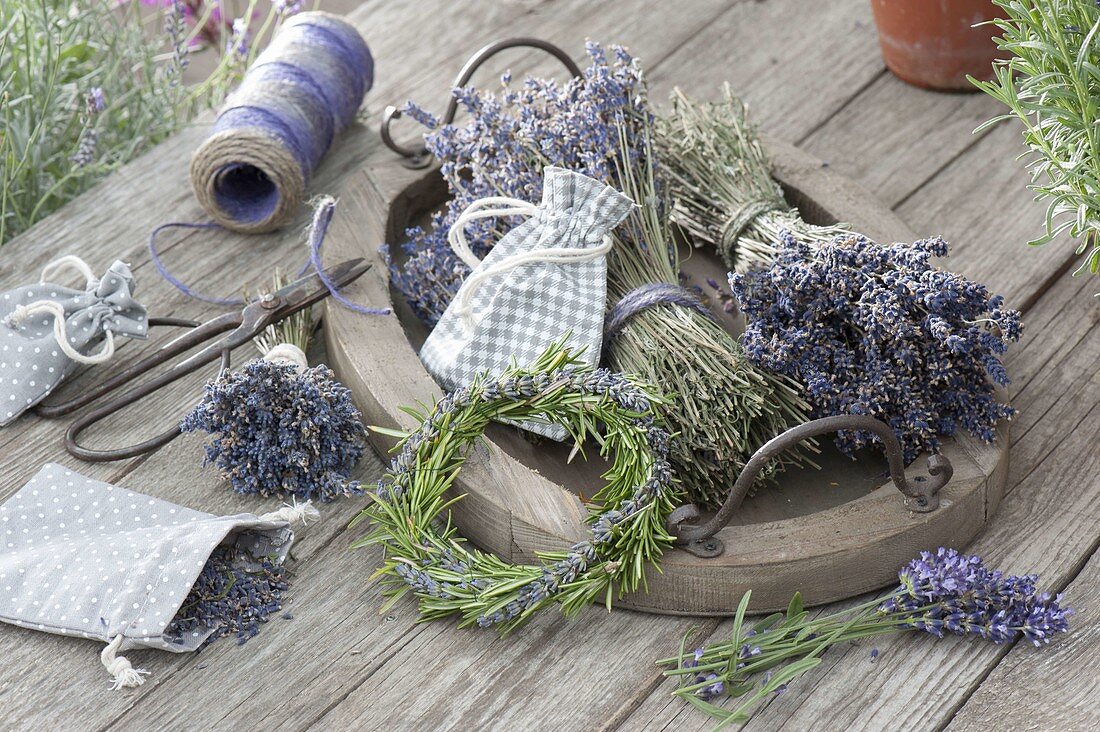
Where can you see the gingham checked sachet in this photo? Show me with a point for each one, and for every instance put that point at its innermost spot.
(522, 310)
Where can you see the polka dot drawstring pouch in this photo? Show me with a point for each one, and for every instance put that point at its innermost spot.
(85, 558)
(46, 329)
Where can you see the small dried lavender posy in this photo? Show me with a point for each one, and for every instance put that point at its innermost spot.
(280, 431)
(880, 331)
(234, 594)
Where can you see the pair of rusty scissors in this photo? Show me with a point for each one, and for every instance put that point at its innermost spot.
(242, 327)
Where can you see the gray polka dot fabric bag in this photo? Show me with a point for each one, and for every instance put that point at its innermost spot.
(85, 558)
(47, 329)
(545, 278)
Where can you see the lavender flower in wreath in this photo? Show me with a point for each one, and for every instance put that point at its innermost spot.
(879, 330)
(281, 430)
(501, 150)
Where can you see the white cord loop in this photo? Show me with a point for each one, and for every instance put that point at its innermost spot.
(123, 675)
(463, 302)
(57, 310)
(456, 237)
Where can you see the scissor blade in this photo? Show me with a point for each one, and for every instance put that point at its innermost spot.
(340, 275)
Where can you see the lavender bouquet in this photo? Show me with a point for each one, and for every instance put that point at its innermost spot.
(938, 593)
(599, 124)
(879, 330)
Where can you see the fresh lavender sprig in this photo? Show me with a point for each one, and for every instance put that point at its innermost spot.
(939, 592)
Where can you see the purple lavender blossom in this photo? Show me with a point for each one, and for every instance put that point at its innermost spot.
(280, 431)
(951, 592)
(237, 45)
(509, 137)
(286, 8)
(879, 330)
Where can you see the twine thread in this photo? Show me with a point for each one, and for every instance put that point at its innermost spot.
(648, 296)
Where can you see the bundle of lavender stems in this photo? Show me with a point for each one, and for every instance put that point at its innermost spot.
(722, 186)
(723, 407)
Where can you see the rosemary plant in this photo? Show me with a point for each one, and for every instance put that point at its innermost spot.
(1052, 85)
(723, 408)
(722, 186)
(424, 555)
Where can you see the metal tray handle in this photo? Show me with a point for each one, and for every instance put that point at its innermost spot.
(921, 495)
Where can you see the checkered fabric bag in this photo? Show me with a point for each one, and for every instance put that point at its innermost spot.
(543, 279)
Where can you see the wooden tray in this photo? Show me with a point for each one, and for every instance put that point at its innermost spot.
(829, 534)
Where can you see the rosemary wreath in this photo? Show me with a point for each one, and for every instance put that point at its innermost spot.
(423, 553)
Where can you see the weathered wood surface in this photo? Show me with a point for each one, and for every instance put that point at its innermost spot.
(817, 82)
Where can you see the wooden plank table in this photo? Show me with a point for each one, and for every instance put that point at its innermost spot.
(817, 81)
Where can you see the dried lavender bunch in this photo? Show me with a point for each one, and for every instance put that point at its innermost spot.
(281, 430)
(879, 330)
(723, 407)
(1051, 86)
(233, 594)
(938, 592)
(721, 183)
(501, 150)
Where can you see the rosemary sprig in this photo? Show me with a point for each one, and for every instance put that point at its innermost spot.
(1052, 85)
(723, 408)
(722, 186)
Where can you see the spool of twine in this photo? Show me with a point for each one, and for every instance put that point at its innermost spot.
(252, 173)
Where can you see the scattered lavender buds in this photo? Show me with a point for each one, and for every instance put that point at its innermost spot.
(939, 592)
(234, 594)
(501, 151)
(878, 330)
(281, 431)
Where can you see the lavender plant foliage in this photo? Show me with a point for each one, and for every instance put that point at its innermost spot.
(281, 431)
(879, 330)
(501, 150)
(234, 594)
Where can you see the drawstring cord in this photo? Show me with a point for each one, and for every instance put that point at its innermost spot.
(57, 310)
(123, 675)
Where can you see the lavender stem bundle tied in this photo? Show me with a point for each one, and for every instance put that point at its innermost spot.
(938, 593)
(278, 426)
(721, 183)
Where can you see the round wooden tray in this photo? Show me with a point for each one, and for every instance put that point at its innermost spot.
(829, 534)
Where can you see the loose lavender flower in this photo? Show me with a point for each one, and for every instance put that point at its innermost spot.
(278, 430)
(501, 151)
(879, 330)
(286, 8)
(237, 45)
(234, 594)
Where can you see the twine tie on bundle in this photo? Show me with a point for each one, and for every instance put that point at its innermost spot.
(252, 172)
(293, 512)
(123, 674)
(57, 310)
(647, 296)
(740, 220)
